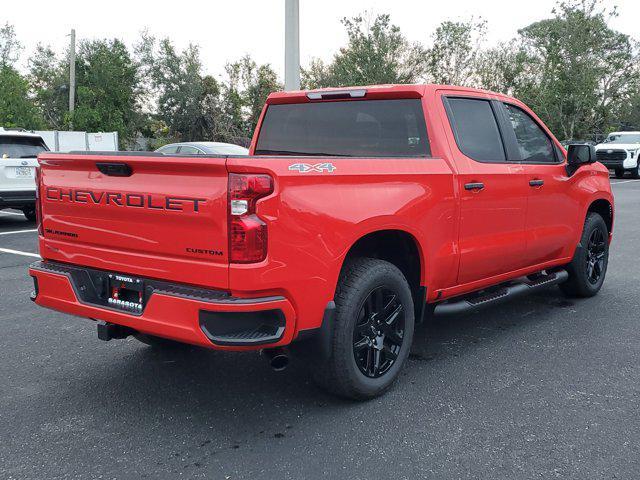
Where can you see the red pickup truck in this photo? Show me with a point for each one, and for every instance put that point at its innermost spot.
(357, 213)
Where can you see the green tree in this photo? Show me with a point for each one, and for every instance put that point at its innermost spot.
(376, 52)
(16, 107)
(108, 93)
(10, 47)
(185, 100)
(49, 83)
(580, 71)
(501, 69)
(454, 56)
(107, 89)
(630, 114)
(244, 95)
(195, 106)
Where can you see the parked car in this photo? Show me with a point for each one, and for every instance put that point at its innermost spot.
(203, 148)
(18, 152)
(359, 212)
(619, 152)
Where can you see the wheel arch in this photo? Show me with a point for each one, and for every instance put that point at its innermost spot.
(604, 208)
(400, 248)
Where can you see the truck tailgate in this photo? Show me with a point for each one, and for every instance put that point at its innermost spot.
(149, 215)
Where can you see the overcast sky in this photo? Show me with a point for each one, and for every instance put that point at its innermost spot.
(226, 30)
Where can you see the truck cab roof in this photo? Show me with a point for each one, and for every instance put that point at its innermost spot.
(385, 91)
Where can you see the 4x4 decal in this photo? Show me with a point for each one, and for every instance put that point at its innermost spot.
(318, 167)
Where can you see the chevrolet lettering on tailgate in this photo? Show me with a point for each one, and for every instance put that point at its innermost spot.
(120, 199)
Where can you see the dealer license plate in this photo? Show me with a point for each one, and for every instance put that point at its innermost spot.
(24, 172)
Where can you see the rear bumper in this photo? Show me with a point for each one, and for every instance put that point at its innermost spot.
(208, 318)
(17, 198)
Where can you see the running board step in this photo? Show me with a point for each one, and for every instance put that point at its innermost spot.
(500, 293)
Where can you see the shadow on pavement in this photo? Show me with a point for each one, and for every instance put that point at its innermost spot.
(222, 386)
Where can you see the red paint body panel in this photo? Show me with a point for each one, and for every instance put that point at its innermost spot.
(314, 219)
(466, 240)
(149, 242)
(164, 316)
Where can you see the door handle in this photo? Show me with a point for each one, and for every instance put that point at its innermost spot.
(536, 183)
(474, 186)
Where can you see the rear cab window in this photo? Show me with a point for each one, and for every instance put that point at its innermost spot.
(21, 147)
(356, 128)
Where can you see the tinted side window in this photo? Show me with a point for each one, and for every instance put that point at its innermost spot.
(169, 149)
(188, 150)
(533, 142)
(476, 129)
(356, 128)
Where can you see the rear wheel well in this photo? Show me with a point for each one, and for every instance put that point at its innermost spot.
(397, 247)
(604, 209)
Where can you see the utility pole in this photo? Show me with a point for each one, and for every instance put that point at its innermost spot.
(292, 45)
(72, 76)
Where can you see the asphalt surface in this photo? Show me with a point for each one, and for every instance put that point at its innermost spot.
(542, 387)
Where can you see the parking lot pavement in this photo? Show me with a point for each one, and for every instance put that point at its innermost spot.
(543, 387)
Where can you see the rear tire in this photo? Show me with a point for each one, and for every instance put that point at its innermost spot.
(619, 173)
(160, 343)
(588, 268)
(29, 213)
(372, 330)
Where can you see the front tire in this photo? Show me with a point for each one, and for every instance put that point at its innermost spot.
(619, 173)
(635, 173)
(588, 268)
(372, 330)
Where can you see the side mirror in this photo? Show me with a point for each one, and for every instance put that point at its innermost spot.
(578, 155)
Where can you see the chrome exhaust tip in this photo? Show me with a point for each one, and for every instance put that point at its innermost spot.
(278, 358)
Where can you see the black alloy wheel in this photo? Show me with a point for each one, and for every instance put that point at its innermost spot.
(379, 332)
(588, 267)
(371, 330)
(596, 250)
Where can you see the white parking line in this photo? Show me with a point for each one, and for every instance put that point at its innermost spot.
(18, 252)
(18, 231)
(12, 213)
(624, 181)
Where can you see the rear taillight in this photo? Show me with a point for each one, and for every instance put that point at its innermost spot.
(247, 232)
(38, 202)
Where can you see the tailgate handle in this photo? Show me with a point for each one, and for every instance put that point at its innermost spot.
(115, 169)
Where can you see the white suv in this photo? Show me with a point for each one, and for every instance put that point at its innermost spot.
(619, 152)
(18, 152)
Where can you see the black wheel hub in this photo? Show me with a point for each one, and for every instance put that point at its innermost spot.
(379, 332)
(596, 250)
